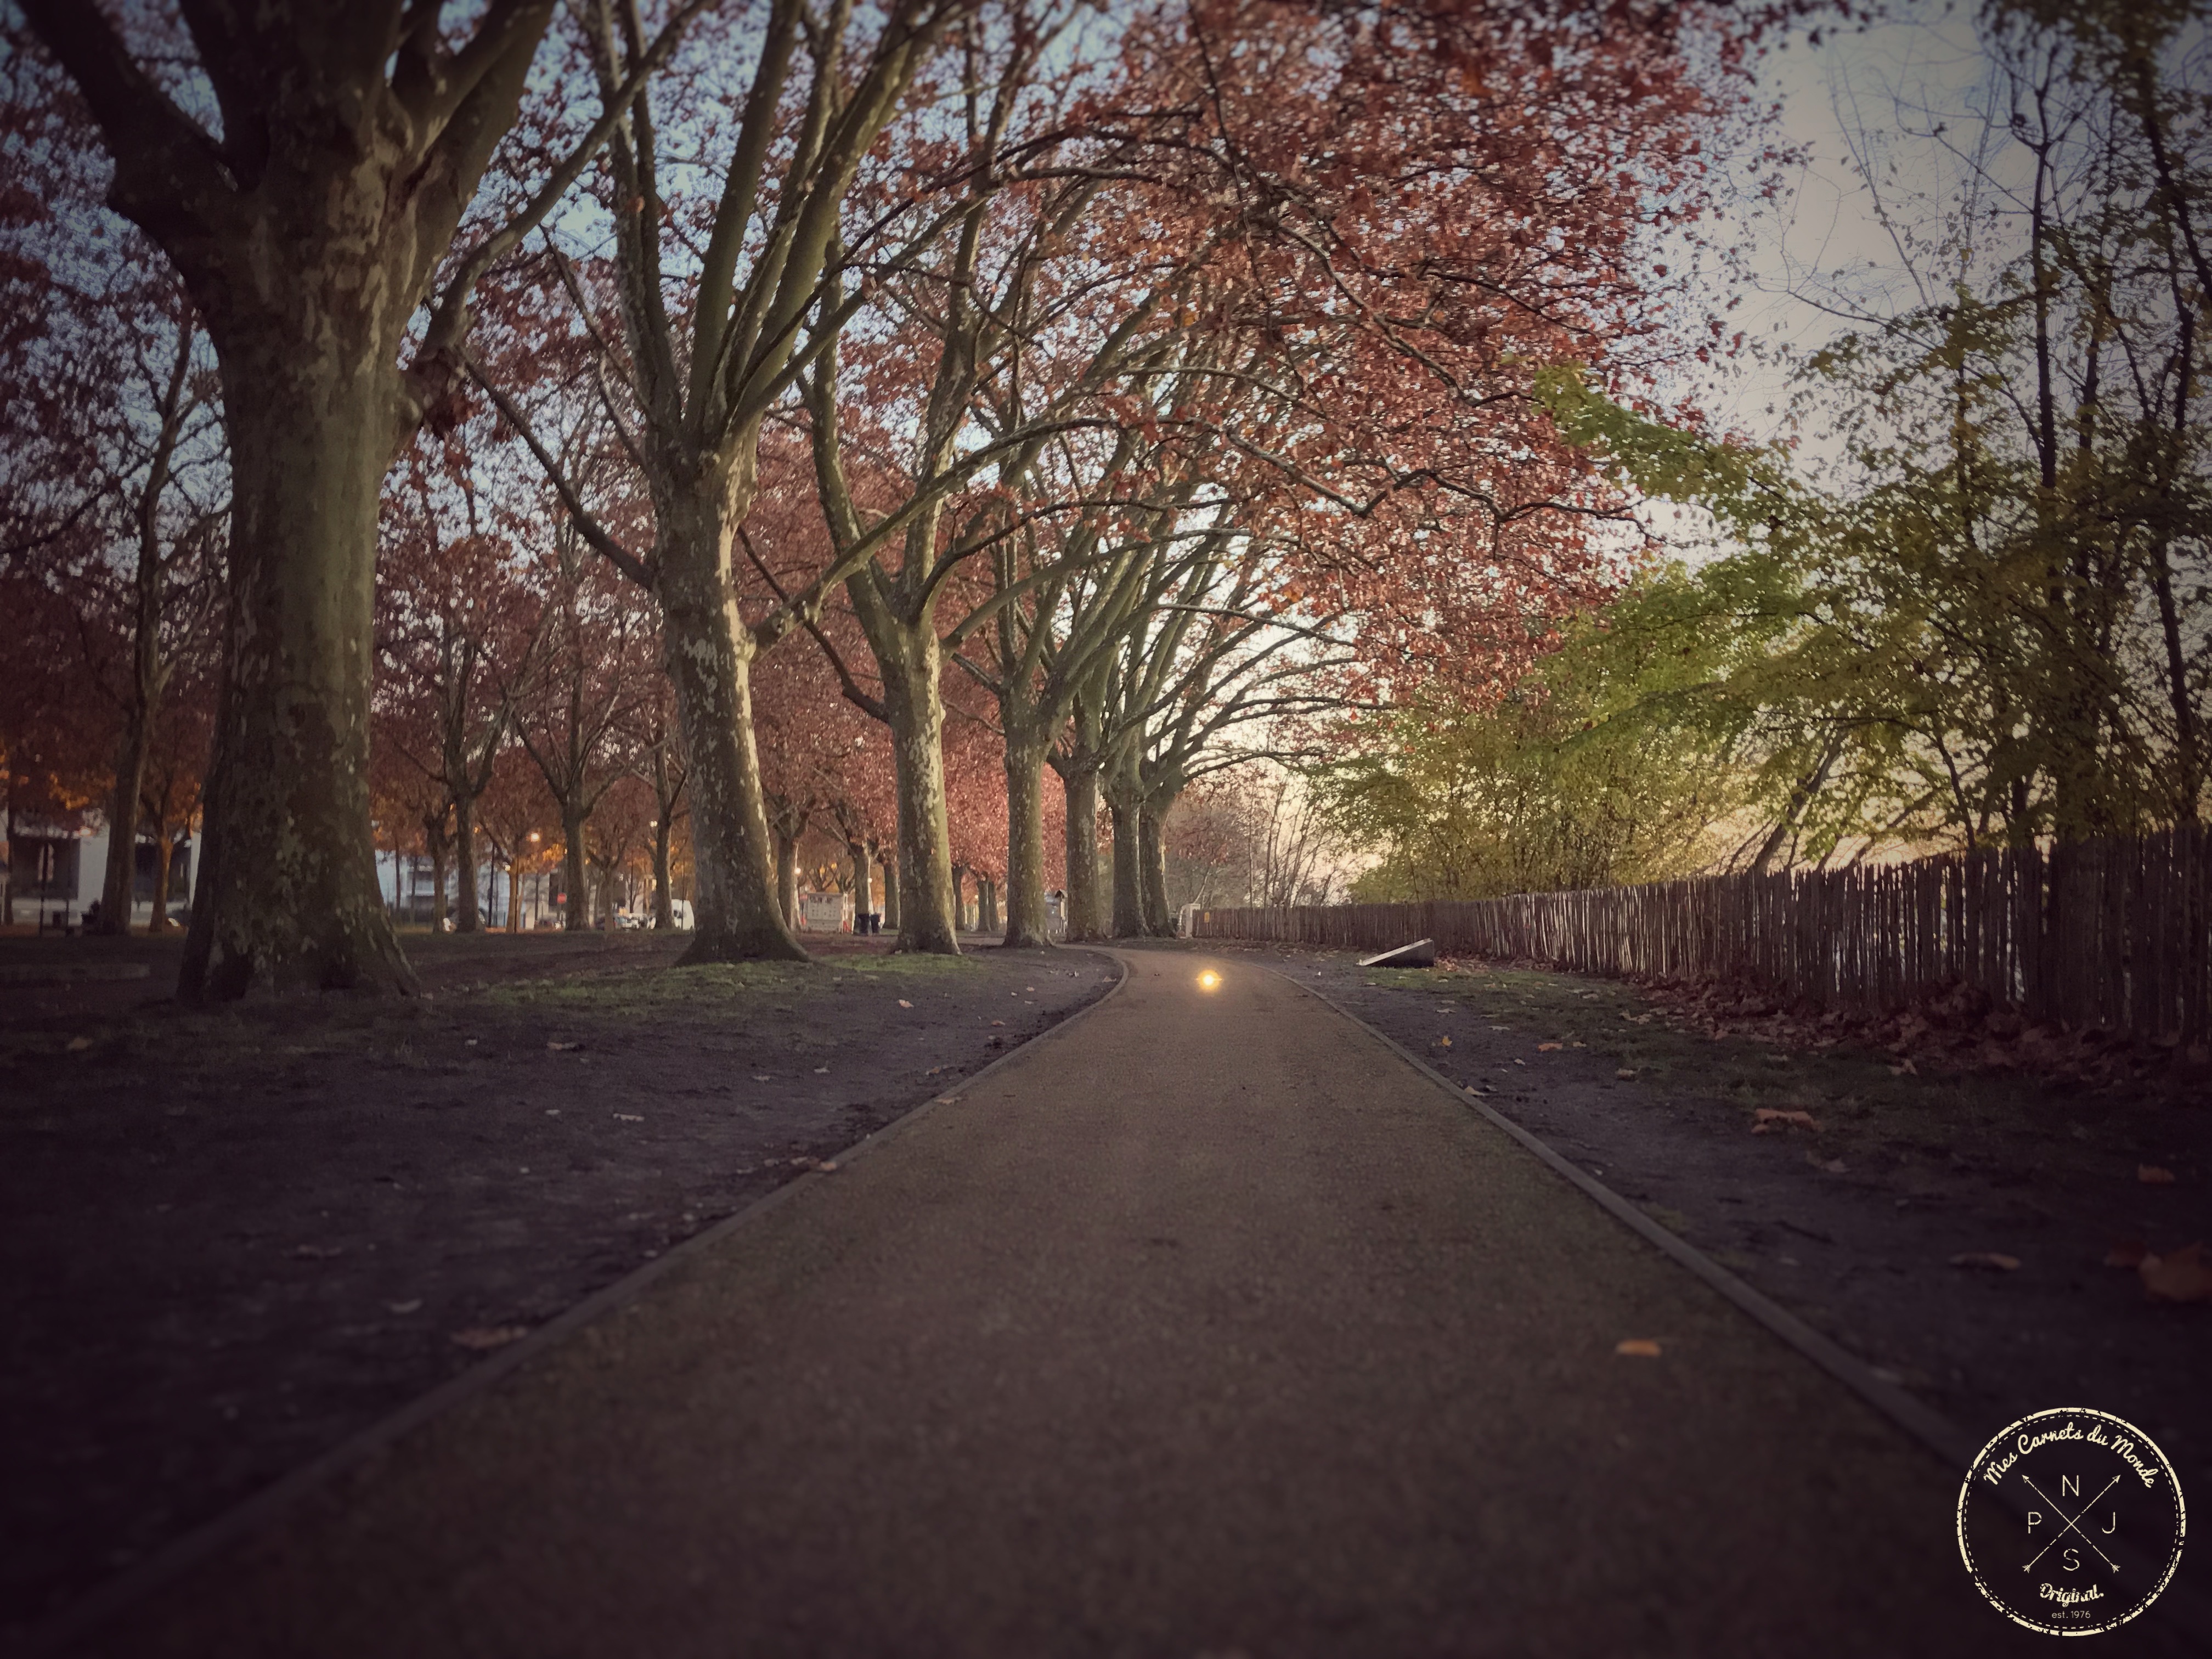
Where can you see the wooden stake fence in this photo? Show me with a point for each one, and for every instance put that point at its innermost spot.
(2101, 933)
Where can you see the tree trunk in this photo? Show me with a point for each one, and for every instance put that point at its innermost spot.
(576, 914)
(158, 923)
(987, 905)
(288, 893)
(862, 902)
(514, 900)
(464, 865)
(960, 897)
(709, 661)
(1152, 856)
(433, 837)
(119, 889)
(664, 908)
(928, 912)
(786, 878)
(1079, 787)
(1129, 882)
(1025, 912)
(891, 891)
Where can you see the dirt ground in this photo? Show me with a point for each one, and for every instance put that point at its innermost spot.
(1853, 1226)
(234, 1237)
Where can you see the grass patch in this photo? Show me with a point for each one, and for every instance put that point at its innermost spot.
(717, 984)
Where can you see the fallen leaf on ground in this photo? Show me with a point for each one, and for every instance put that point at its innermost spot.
(484, 1337)
(1640, 1347)
(2182, 1275)
(1442, 1042)
(1764, 1120)
(78, 1045)
(1994, 1259)
(1625, 1072)
(1002, 1021)
(903, 1003)
(563, 1048)
(1549, 1048)
(1520, 1062)
(763, 1076)
(628, 1117)
(2126, 1253)
(2151, 1176)
(1827, 1165)
(1906, 1068)
(404, 1307)
(954, 1100)
(822, 1071)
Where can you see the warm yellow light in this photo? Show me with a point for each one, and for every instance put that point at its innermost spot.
(1208, 979)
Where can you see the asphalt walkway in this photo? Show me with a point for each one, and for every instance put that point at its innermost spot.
(1206, 1326)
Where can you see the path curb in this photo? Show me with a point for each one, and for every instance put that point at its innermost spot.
(250, 1516)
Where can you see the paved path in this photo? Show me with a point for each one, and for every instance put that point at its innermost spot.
(1206, 1326)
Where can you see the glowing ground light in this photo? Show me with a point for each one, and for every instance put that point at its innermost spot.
(1208, 979)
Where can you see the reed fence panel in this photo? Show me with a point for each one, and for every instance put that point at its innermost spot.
(2109, 933)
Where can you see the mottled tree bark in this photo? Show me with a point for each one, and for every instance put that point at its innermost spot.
(928, 913)
(1129, 879)
(1079, 784)
(1025, 911)
(709, 653)
(1152, 857)
(288, 893)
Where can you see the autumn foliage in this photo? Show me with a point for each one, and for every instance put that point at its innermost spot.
(920, 437)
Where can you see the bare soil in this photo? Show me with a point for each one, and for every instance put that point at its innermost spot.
(1853, 1226)
(236, 1237)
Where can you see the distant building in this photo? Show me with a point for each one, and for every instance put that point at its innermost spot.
(55, 874)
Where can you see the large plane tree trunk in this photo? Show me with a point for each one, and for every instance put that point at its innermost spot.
(1026, 911)
(288, 891)
(1152, 858)
(1078, 784)
(1129, 878)
(708, 655)
(307, 234)
(928, 918)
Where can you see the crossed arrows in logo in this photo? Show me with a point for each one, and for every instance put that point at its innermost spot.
(2071, 1525)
